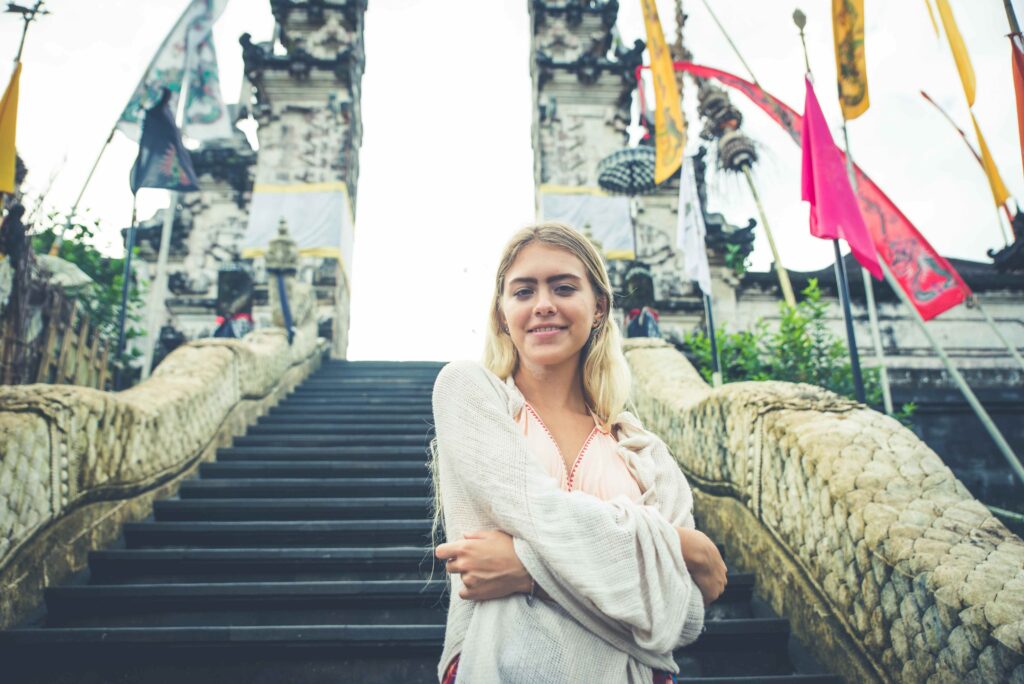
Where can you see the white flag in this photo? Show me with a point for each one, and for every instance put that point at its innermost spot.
(187, 49)
(691, 230)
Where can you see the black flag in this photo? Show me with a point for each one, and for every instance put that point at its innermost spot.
(163, 162)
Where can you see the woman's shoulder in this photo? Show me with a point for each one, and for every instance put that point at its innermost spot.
(468, 380)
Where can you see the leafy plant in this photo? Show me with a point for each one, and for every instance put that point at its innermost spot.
(736, 258)
(102, 300)
(801, 349)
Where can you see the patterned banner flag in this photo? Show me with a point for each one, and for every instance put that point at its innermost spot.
(691, 231)
(851, 64)
(163, 162)
(932, 284)
(669, 129)
(187, 49)
(8, 128)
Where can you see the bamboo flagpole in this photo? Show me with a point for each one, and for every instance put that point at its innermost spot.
(783, 275)
(28, 15)
(958, 379)
(854, 101)
(842, 283)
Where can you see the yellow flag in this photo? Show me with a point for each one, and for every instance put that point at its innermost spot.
(956, 44)
(851, 65)
(670, 131)
(8, 124)
(999, 192)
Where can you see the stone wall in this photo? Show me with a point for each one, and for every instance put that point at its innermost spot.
(75, 462)
(857, 530)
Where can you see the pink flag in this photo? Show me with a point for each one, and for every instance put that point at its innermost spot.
(835, 212)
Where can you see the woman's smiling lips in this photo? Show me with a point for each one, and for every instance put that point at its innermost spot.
(545, 331)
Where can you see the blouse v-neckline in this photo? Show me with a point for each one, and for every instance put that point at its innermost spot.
(570, 473)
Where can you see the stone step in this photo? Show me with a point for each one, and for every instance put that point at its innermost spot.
(383, 400)
(769, 679)
(269, 603)
(321, 453)
(63, 654)
(341, 428)
(354, 412)
(298, 420)
(378, 508)
(299, 440)
(355, 394)
(307, 469)
(403, 602)
(285, 533)
(262, 564)
(304, 488)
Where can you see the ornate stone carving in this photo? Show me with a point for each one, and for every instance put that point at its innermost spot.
(282, 254)
(859, 532)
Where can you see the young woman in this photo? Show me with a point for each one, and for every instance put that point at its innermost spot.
(571, 546)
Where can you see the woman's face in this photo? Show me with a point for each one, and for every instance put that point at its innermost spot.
(548, 305)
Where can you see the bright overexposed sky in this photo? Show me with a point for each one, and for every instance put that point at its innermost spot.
(446, 161)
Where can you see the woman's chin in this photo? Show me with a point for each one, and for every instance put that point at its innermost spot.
(549, 357)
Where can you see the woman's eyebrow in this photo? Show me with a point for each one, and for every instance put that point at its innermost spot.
(533, 281)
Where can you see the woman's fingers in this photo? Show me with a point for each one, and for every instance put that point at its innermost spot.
(448, 550)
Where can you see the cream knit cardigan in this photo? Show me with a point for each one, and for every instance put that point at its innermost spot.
(623, 599)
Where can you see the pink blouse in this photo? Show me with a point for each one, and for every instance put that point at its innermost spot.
(597, 470)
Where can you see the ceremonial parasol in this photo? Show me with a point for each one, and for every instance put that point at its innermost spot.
(630, 172)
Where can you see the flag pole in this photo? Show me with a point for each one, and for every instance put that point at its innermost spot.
(158, 292)
(842, 283)
(958, 379)
(869, 293)
(716, 362)
(975, 302)
(783, 274)
(125, 285)
(74, 207)
(977, 157)
(1011, 17)
(29, 16)
(787, 287)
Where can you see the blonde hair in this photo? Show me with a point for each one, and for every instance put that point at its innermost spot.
(605, 374)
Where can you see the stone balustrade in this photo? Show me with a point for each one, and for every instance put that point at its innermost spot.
(76, 462)
(883, 561)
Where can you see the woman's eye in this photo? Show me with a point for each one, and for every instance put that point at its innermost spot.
(524, 292)
(565, 289)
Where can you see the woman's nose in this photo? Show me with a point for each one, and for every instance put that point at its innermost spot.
(544, 305)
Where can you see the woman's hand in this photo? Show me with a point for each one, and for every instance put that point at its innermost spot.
(488, 565)
(704, 563)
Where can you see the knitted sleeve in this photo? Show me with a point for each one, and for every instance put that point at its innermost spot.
(614, 566)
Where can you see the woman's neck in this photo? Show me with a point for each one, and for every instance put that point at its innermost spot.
(553, 387)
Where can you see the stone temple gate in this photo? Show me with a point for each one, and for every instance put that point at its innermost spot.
(257, 510)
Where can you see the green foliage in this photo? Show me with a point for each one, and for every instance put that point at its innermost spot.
(102, 300)
(801, 349)
(736, 259)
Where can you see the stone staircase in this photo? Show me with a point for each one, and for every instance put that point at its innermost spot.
(302, 555)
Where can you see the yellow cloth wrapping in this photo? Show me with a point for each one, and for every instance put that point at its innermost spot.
(851, 63)
(8, 126)
(670, 131)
